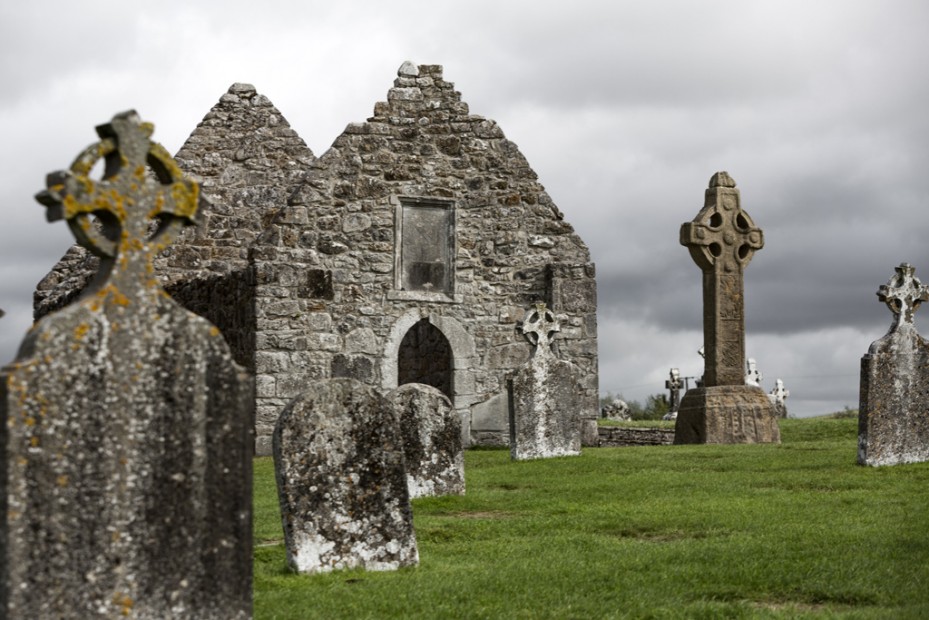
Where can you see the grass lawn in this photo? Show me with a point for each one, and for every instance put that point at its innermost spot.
(795, 530)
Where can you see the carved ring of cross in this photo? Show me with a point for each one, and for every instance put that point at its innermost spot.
(540, 326)
(117, 198)
(904, 293)
(727, 238)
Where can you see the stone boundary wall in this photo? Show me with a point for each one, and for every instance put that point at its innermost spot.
(620, 437)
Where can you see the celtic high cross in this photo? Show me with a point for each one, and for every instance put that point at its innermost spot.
(722, 239)
(131, 214)
(903, 294)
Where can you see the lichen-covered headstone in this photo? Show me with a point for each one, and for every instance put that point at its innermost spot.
(722, 239)
(893, 414)
(544, 415)
(341, 480)
(125, 445)
(431, 432)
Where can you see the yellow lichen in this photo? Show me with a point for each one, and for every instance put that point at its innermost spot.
(34, 442)
(81, 330)
(62, 480)
(214, 331)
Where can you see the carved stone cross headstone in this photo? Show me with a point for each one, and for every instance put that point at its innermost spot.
(722, 240)
(674, 384)
(778, 397)
(126, 441)
(893, 413)
(753, 376)
(539, 328)
(544, 394)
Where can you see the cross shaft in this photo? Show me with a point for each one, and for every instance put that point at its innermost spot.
(722, 240)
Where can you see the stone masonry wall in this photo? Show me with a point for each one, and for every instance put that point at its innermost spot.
(327, 300)
(296, 258)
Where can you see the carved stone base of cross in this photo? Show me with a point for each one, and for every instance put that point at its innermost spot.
(726, 414)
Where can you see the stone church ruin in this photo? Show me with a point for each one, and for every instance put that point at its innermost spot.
(408, 252)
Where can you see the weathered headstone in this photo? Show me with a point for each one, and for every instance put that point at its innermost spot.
(431, 433)
(125, 447)
(753, 376)
(778, 398)
(722, 239)
(341, 480)
(674, 384)
(893, 414)
(618, 410)
(544, 416)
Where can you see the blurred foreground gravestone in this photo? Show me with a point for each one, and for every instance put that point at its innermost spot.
(431, 433)
(341, 481)
(893, 413)
(126, 435)
(545, 416)
(722, 239)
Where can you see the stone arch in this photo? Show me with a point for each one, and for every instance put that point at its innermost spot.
(425, 356)
(460, 342)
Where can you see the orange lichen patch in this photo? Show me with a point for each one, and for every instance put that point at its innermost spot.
(124, 602)
(214, 331)
(81, 330)
(62, 480)
(110, 293)
(30, 421)
(186, 197)
(34, 441)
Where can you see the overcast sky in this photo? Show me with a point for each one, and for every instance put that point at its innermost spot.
(818, 110)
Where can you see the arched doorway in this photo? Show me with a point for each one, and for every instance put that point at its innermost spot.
(425, 356)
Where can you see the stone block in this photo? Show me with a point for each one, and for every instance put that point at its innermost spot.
(358, 367)
(431, 432)
(361, 340)
(339, 463)
(492, 414)
(726, 414)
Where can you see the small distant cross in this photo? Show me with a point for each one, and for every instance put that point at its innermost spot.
(722, 240)
(753, 376)
(903, 294)
(779, 393)
(540, 327)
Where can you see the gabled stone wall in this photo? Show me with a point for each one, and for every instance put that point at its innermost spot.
(296, 258)
(512, 248)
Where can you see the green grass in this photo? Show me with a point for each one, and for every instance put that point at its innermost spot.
(795, 530)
